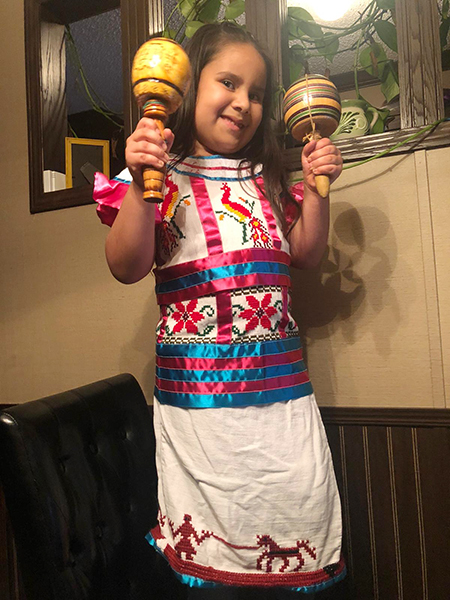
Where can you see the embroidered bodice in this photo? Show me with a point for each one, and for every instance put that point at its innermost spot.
(222, 283)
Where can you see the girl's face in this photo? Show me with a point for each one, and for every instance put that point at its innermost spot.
(229, 100)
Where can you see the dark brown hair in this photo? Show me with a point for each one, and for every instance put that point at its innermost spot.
(264, 147)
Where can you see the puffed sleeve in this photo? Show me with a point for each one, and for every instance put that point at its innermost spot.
(291, 210)
(109, 195)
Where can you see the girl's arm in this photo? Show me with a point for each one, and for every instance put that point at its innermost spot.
(130, 245)
(308, 238)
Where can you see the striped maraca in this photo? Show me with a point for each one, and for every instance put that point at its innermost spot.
(160, 76)
(312, 110)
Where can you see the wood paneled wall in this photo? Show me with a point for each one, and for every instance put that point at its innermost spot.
(393, 472)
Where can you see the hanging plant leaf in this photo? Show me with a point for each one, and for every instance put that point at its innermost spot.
(299, 14)
(210, 12)
(446, 59)
(169, 33)
(373, 60)
(443, 31)
(235, 9)
(387, 33)
(311, 29)
(186, 7)
(297, 61)
(386, 4)
(389, 85)
(192, 26)
(329, 46)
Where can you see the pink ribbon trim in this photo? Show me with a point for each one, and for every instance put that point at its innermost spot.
(231, 387)
(246, 362)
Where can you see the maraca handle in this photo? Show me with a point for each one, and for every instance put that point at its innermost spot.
(322, 181)
(154, 177)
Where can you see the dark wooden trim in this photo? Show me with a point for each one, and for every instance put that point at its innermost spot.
(419, 64)
(388, 417)
(367, 146)
(139, 20)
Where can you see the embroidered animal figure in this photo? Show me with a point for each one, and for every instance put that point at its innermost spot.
(243, 215)
(274, 551)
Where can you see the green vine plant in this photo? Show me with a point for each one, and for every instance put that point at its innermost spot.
(190, 15)
(374, 30)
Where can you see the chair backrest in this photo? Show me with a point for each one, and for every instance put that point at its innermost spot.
(79, 478)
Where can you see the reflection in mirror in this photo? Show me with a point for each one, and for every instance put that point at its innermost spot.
(90, 103)
(74, 92)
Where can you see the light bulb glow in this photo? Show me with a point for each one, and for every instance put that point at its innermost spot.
(326, 10)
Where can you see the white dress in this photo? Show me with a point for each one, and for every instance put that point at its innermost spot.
(246, 488)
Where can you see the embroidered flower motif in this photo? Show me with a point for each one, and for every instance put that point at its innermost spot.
(187, 317)
(259, 312)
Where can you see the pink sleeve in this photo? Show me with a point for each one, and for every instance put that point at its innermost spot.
(109, 195)
(292, 211)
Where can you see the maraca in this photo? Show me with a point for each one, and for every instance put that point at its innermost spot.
(312, 110)
(160, 76)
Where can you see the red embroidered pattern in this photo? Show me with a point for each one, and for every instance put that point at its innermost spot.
(258, 313)
(168, 232)
(252, 227)
(271, 553)
(187, 316)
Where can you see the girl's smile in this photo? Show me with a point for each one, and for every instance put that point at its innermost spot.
(230, 97)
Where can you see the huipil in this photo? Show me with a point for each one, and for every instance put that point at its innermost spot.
(246, 489)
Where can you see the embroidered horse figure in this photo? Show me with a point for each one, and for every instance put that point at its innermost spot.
(273, 551)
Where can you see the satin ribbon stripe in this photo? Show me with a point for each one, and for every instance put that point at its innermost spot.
(224, 272)
(230, 374)
(228, 351)
(222, 260)
(231, 387)
(207, 217)
(185, 400)
(248, 362)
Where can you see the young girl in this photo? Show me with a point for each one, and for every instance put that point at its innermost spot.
(247, 493)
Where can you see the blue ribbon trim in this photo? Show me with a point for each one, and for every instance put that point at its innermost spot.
(224, 272)
(192, 582)
(254, 374)
(229, 350)
(241, 399)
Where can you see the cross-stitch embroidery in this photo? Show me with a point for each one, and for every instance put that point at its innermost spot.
(169, 232)
(188, 315)
(258, 314)
(252, 227)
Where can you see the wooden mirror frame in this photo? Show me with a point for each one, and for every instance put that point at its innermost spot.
(140, 19)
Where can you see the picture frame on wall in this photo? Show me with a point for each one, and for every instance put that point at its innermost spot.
(84, 157)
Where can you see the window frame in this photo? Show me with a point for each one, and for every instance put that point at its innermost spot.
(420, 77)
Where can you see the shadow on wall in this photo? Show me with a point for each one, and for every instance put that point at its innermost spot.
(352, 284)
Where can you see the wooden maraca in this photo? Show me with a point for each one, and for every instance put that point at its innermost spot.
(312, 110)
(160, 77)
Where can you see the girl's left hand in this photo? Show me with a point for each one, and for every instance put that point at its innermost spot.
(320, 157)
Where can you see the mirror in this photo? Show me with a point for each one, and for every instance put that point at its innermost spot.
(71, 131)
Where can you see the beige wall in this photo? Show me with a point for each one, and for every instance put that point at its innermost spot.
(376, 318)
(64, 321)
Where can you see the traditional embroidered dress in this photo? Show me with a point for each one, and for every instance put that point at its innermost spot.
(247, 492)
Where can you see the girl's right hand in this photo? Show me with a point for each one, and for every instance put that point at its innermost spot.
(147, 148)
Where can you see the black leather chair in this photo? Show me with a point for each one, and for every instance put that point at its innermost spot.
(79, 478)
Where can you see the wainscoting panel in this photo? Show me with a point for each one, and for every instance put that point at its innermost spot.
(393, 471)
